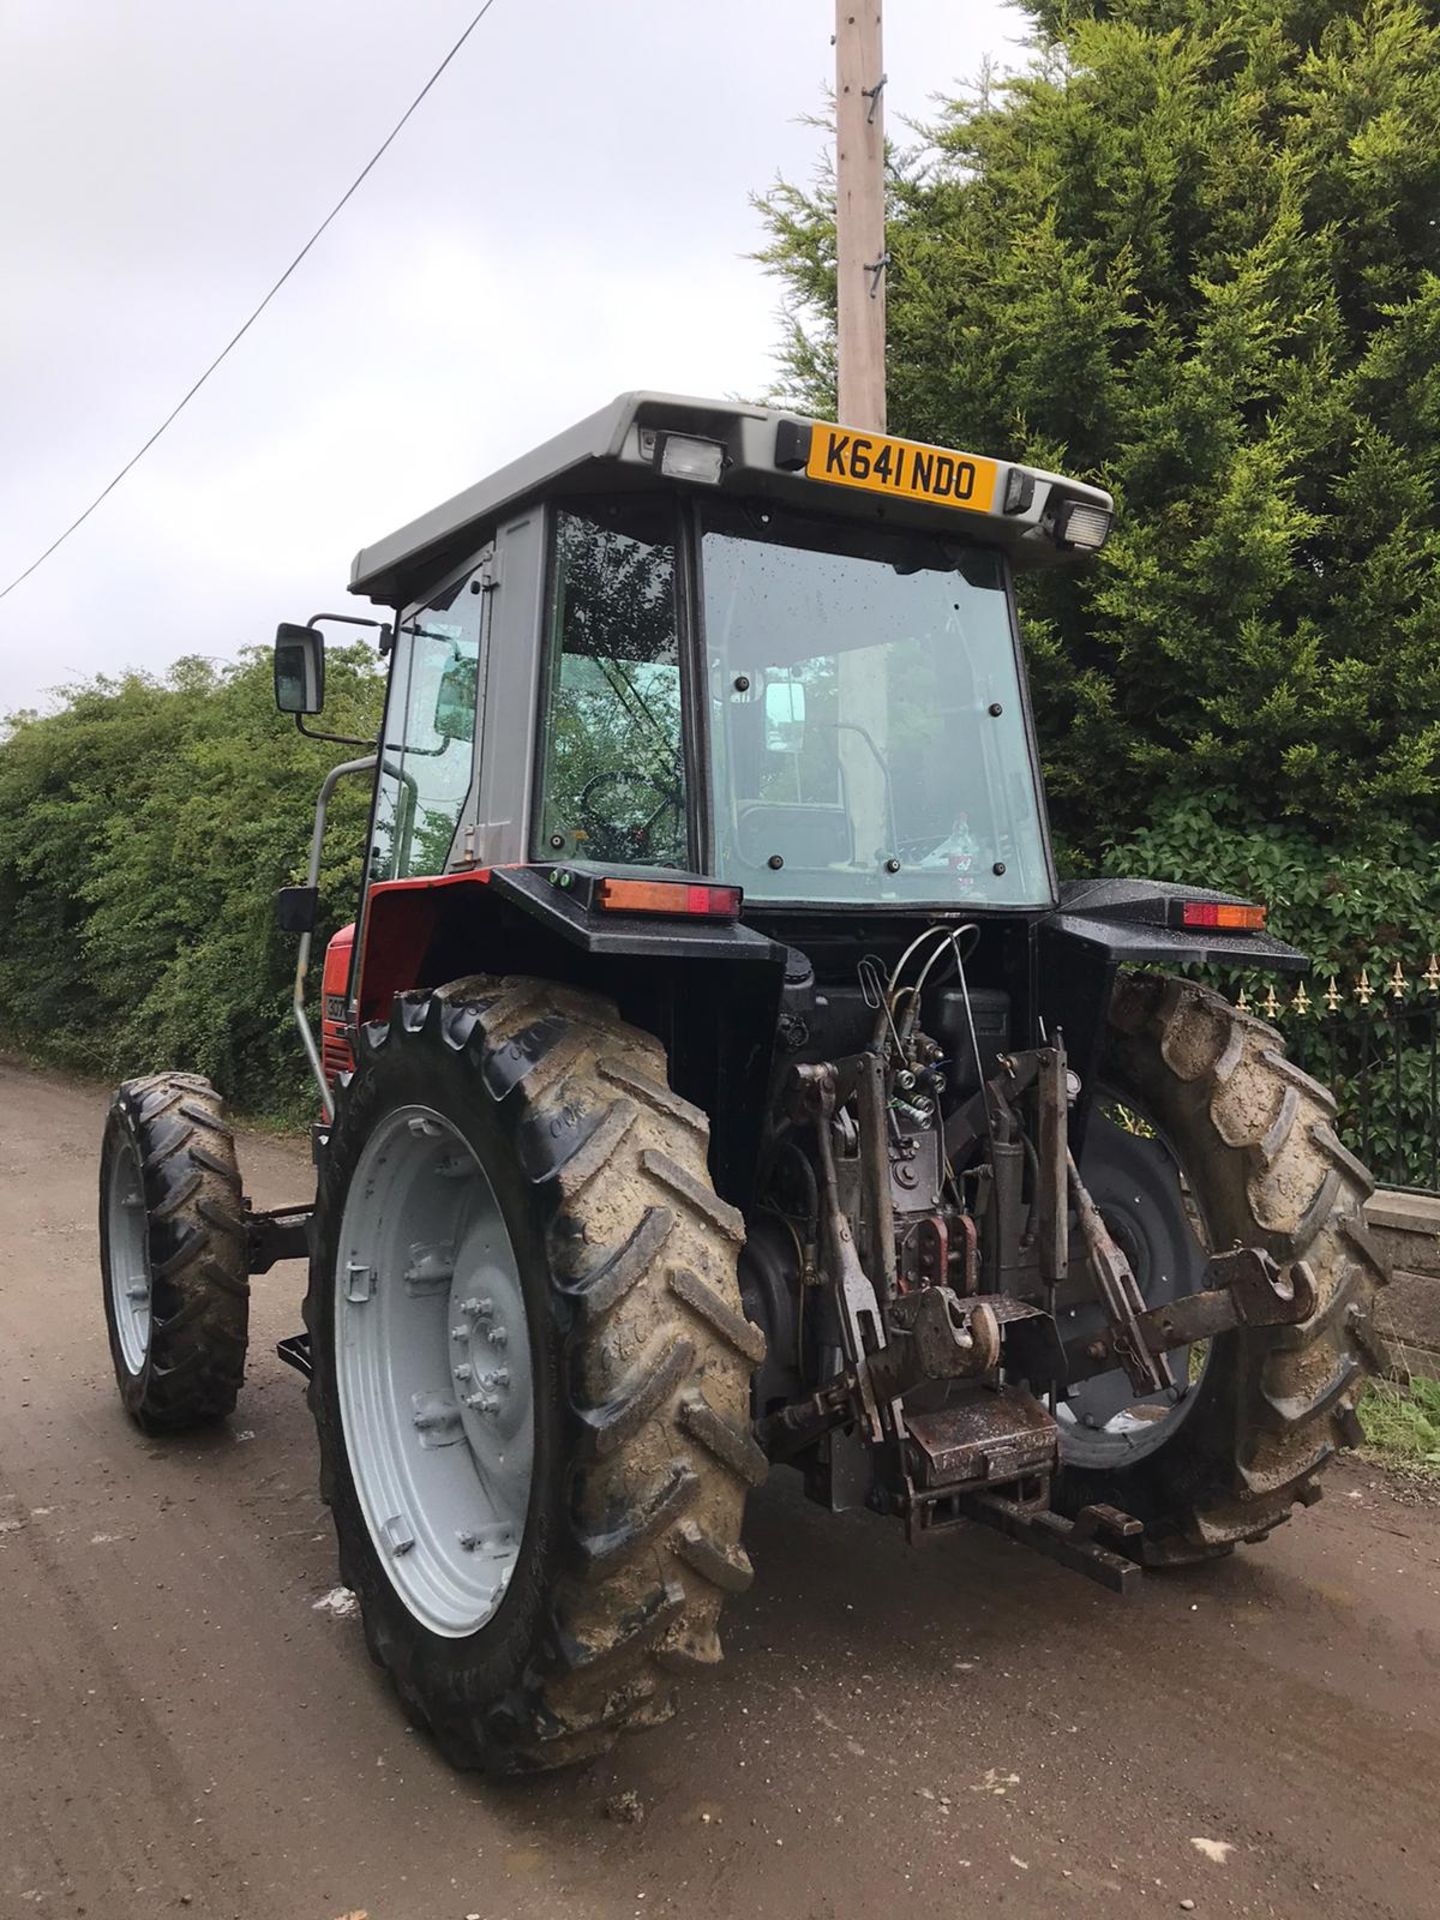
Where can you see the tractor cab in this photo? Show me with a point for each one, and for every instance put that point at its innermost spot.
(744, 645)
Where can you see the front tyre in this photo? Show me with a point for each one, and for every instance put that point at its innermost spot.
(1254, 1139)
(531, 1371)
(172, 1252)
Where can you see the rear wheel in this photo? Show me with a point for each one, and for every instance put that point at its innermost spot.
(531, 1371)
(1254, 1139)
(1134, 1180)
(172, 1252)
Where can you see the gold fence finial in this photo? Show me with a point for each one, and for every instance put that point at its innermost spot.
(1332, 996)
(1271, 1004)
(1396, 988)
(1431, 975)
(1242, 1004)
(1301, 1002)
(1364, 992)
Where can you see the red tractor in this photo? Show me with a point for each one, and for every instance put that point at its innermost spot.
(716, 1075)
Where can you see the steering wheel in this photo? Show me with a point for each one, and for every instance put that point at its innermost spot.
(625, 839)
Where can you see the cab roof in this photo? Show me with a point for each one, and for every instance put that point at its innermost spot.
(766, 452)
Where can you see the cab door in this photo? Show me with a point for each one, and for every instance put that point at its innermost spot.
(433, 718)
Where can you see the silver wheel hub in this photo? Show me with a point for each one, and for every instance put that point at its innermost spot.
(128, 1235)
(1104, 1420)
(433, 1365)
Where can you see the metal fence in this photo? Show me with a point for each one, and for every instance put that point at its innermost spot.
(1372, 1034)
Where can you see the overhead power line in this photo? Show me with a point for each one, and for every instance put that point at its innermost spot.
(240, 333)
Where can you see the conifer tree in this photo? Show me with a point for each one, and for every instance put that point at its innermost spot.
(1192, 252)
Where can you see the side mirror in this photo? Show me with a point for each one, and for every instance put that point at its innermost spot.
(299, 669)
(784, 716)
(455, 699)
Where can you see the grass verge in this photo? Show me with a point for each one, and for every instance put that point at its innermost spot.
(1402, 1424)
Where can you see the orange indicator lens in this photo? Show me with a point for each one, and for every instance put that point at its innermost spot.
(668, 896)
(1210, 913)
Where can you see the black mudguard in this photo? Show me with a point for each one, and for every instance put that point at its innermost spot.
(1103, 925)
(1131, 920)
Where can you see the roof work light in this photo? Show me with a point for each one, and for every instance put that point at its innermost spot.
(1081, 525)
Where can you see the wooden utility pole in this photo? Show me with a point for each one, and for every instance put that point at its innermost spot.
(860, 345)
(860, 212)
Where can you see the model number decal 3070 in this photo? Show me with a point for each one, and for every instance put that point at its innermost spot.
(901, 467)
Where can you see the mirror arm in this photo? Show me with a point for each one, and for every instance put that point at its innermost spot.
(370, 741)
(335, 739)
(387, 640)
(387, 632)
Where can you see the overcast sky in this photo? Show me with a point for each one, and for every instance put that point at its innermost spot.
(566, 216)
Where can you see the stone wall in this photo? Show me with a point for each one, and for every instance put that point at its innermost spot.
(1407, 1314)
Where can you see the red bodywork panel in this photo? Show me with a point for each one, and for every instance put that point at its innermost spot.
(335, 1050)
(403, 918)
(398, 931)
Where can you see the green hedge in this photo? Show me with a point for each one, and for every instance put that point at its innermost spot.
(144, 829)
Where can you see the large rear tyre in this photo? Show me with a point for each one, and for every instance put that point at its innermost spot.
(172, 1252)
(540, 1527)
(1254, 1139)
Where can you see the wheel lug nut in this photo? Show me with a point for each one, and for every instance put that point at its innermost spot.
(497, 1336)
(460, 1333)
(464, 1371)
(482, 1402)
(499, 1378)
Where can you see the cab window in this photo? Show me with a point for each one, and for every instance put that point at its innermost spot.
(430, 731)
(613, 781)
(868, 740)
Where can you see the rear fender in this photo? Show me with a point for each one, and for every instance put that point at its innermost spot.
(1132, 921)
(708, 990)
(1103, 925)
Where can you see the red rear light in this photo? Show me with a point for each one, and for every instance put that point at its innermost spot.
(1214, 913)
(668, 896)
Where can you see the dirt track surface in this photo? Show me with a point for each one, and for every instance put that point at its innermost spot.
(963, 1729)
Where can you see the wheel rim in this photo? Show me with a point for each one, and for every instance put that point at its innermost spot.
(128, 1238)
(434, 1370)
(1104, 1422)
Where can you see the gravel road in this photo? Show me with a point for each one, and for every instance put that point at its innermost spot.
(188, 1720)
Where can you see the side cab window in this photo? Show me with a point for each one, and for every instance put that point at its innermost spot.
(431, 727)
(613, 787)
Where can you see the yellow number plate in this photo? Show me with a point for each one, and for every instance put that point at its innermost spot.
(901, 468)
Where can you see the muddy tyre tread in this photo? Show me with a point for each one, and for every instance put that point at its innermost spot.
(586, 1101)
(200, 1282)
(1255, 1136)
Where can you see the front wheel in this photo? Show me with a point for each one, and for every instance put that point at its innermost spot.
(531, 1371)
(1254, 1141)
(172, 1252)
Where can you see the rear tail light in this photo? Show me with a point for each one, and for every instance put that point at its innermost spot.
(668, 896)
(1215, 913)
